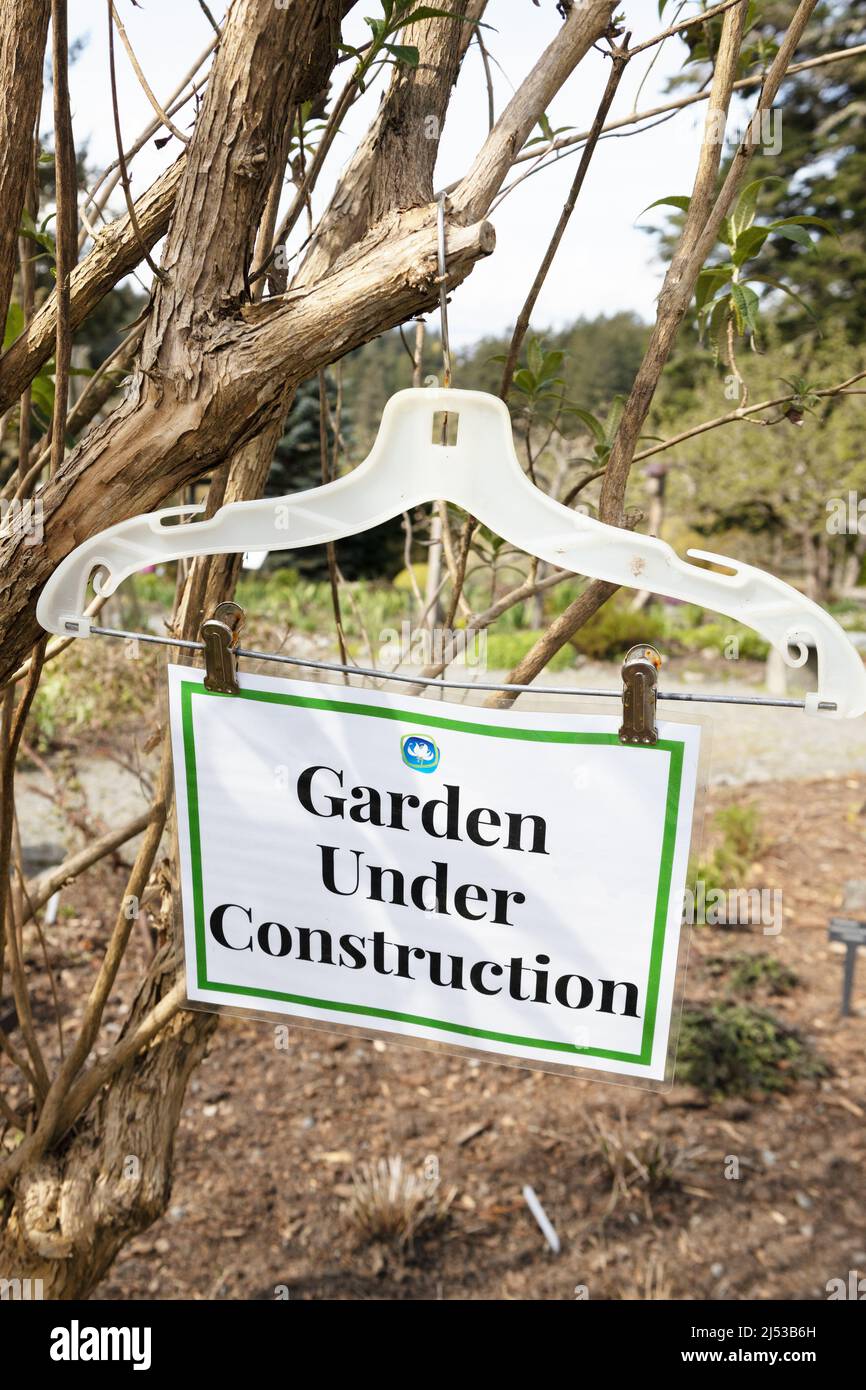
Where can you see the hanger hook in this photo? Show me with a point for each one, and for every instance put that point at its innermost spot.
(443, 290)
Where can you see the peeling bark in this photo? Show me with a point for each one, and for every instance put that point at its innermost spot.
(165, 434)
(23, 31)
(79, 1204)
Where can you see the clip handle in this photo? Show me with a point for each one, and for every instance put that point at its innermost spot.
(639, 693)
(220, 635)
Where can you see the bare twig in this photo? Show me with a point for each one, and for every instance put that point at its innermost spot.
(14, 723)
(35, 1144)
(143, 82)
(670, 108)
(743, 412)
(684, 24)
(488, 78)
(91, 1082)
(121, 157)
(330, 549)
(40, 889)
(681, 274)
(620, 57)
(66, 227)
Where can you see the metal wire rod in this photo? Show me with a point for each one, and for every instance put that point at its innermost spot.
(374, 674)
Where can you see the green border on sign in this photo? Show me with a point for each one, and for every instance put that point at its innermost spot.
(672, 746)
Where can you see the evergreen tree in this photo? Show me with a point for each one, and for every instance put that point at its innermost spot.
(297, 465)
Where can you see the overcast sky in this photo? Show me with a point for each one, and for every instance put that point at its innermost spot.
(606, 263)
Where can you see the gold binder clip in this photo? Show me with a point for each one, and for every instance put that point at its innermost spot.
(220, 636)
(639, 683)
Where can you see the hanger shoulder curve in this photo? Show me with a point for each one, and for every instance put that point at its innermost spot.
(479, 471)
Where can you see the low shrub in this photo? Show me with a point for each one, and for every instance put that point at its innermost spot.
(506, 649)
(747, 973)
(616, 627)
(741, 843)
(738, 1050)
(728, 639)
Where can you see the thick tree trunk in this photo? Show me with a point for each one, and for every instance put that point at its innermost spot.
(80, 1203)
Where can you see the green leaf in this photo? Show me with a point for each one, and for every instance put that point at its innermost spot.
(41, 236)
(747, 204)
(676, 200)
(614, 415)
(749, 243)
(805, 222)
(42, 394)
(709, 282)
(14, 324)
(595, 427)
(797, 234)
(777, 285)
(746, 307)
(552, 363)
(718, 325)
(525, 381)
(404, 53)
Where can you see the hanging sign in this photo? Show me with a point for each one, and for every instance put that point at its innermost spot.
(500, 881)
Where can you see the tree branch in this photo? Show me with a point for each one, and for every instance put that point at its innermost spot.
(23, 32)
(587, 21)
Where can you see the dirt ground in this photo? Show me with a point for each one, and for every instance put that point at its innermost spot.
(270, 1138)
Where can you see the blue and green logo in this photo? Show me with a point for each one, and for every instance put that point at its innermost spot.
(419, 753)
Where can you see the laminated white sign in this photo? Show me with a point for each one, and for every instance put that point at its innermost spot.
(499, 881)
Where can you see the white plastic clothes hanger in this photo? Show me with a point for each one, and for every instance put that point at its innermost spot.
(480, 472)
